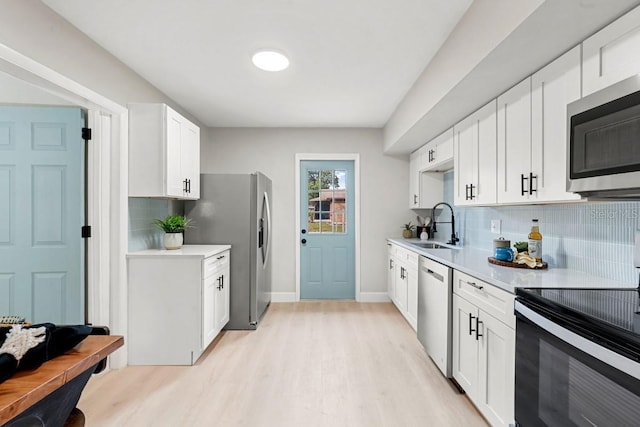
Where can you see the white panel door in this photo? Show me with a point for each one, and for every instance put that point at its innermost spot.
(465, 152)
(612, 54)
(514, 143)
(42, 189)
(497, 369)
(465, 346)
(176, 184)
(553, 87)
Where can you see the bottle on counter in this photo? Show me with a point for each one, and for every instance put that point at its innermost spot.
(535, 241)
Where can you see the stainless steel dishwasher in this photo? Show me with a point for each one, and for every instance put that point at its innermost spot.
(434, 312)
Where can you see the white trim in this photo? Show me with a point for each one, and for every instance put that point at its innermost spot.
(283, 297)
(355, 157)
(374, 297)
(107, 186)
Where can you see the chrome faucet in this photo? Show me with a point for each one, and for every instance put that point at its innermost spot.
(454, 237)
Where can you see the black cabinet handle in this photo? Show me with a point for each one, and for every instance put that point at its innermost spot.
(478, 334)
(415, 199)
(531, 178)
(466, 192)
(471, 330)
(390, 264)
(303, 241)
(471, 196)
(523, 178)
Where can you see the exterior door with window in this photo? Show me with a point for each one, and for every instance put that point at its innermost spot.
(327, 237)
(41, 213)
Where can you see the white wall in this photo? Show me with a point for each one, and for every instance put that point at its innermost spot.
(34, 30)
(384, 183)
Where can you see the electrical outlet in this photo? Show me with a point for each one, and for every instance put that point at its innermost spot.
(496, 226)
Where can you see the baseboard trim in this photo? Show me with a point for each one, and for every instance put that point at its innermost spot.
(283, 297)
(373, 297)
(364, 297)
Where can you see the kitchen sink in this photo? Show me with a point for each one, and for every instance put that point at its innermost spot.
(431, 245)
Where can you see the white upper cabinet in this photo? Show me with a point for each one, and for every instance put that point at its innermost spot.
(475, 158)
(514, 143)
(612, 54)
(414, 179)
(164, 153)
(425, 188)
(439, 152)
(532, 134)
(553, 87)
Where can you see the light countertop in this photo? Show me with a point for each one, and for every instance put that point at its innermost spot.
(473, 262)
(199, 251)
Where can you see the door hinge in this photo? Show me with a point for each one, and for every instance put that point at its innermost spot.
(86, 134)
(86, 231)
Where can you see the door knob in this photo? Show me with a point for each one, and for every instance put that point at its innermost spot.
(303, 241)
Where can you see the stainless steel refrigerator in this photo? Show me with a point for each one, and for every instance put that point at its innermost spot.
(235, 209)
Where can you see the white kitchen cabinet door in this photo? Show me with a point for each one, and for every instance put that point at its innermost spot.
(414, 179)
(497, 370)
(391, 271)
(514, 143)
(612, 54)
(553, 87)
(412, 296)
(465, 157)
(439, 153)
(401, 288)
(222, 292)
(209, 326)
(465, 346)
(190, 165)
(164, 153)
(475, 155)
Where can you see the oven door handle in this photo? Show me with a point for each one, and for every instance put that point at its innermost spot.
(603, 354)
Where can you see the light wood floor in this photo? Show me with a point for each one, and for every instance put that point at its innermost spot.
(316, 363)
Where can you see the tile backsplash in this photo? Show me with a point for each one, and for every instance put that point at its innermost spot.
(142, 233)
(592, 237)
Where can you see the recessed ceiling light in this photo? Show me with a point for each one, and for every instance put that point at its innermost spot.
(270, 60)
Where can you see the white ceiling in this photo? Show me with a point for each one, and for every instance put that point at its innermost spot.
(352, 61)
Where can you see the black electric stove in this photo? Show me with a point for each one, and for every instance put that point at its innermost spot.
(609, 317)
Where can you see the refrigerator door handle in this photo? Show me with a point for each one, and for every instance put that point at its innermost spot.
(267, 243)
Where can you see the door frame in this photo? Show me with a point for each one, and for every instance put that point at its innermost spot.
(355, 157)
(107, 186)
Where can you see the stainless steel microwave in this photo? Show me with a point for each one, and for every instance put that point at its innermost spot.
(603, 150)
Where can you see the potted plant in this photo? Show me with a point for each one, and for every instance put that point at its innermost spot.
(173, 227)
(407, 233)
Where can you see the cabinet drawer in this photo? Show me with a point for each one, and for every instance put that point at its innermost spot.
(214, 263)
(408, 257)
(492, 300)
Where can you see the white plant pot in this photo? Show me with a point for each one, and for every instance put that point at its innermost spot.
(173, 240)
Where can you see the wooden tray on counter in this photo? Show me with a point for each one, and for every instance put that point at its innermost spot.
(492, 260)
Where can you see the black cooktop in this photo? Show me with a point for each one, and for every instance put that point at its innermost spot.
(610, 317)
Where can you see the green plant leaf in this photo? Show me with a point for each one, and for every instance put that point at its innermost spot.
(173, 223)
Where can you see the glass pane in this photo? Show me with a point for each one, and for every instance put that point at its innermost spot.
(313, 180)
(326, 201)
(340, 179)
(327, 179)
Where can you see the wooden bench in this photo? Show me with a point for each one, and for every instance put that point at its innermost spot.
(47, 395)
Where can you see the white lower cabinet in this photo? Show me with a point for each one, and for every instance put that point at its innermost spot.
(178, 303)
(484, 347)
(402, 282)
